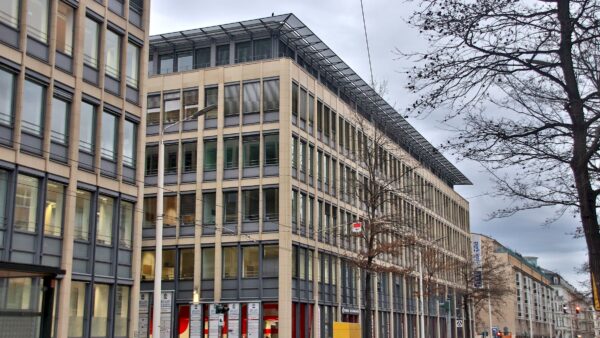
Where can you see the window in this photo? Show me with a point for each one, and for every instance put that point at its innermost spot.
(319, 115)
(208, 208)
(148, 263)
(271, 202)
(185, 62)
(294, 99)
(208, 263)
(232, 100)
(129, 143)
(186, 264)
(271, 149)
(211, 97)
(271, 95)
(250, 205)
(133, 65)
(59, 122)
(90, 43)
(32, 113)
(64, 28)
(153, 110)
(262, 49)
(7, 88)
(125, 225)
(230, 205)
(302, 210)
(9, 11)
(230, 262)
(100, 310)
(222, 55)
(170, 210)
(37, 19)
(112, 51)
(122, 311)
(87, 119)
(251, 98)
(302, 104)
(3, 198)
(105, 220)
(151, 160)
(250, 259)
(203, 57)
(326, 121)
(294, 206)
(251, 154)
(187, 208)
(83, 203)
(311, 110)
(210, 155)
(109, 136)
(53, 214)
(77, 307)
(243, 51)
(190, 102)
(189, 156)
(294, 152)
(270, 261)
(231, 153)
(26, 202)
(168, 266)
(302, 156)
(311, 160)
(171, 158)
(166, 64)
(172, 105)
(302, 263)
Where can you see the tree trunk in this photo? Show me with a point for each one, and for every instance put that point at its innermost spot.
(367, 320)
(467, 322)
(579, 162)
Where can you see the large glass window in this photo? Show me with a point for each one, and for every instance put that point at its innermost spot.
(60, 118)
(172, 105)
(53, 214)
(250, 260)
(202, 57)
(90, 43)
(185, 61)
(190, 102)
(37, 19)
(222, 55)
(232, 100)
(100, 310)
(189, 156)
(77, 307)
(32, 114)
(171, 162)
(311, 110)
(148, 262)
(26, 203)
(231, 153)
(271, 95)
(230, 207)
(251, 98)
(133, 65)
(9, 13)
(208, 263)
(271, 149)
(294, 99)
(149, 212)
(251, 153)
(243, 51)
(129, 143)
(166, 64)
(209, 208)
(3, 196)
(250, 200)
(105, 220)
(109, 136)
(302, 104)
(271, 202)
(170, 210)
(7, 87)
(230, 262)
(211, 97)
(168, 266)
(122, 311)
(210, 155)
(187, 208)
(262, 49)
(87, 120)
(125, 225)
(153, 110)
(112, 49)
(270, 261)
(151, 160)
(83, 203)
(64, 28)
(186, 264)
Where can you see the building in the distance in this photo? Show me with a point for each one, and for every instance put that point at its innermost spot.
(258, 196)
(71, 177)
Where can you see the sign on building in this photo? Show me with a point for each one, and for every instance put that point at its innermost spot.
(196, 320)
(233, 321)
(477, 261)
(253, 320)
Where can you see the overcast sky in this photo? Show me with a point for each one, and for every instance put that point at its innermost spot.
(339, 25)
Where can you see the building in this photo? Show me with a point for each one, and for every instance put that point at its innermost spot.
(528, 312)
(258, 203)
(71, 179)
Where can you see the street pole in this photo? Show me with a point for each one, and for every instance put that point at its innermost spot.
(159, 239)
(490, 308)
(421, 304)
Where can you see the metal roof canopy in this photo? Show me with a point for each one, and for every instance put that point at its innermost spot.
(310, 47)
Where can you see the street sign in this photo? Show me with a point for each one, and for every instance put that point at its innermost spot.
(459, 323)
(477, 261)
(356, 227)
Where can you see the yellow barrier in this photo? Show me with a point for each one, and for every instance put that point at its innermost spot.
(346, 330)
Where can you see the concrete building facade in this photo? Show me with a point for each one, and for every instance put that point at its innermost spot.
(258, 202)
(71, 174)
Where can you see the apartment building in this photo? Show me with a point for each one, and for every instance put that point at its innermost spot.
(71, 178)
(258, 197)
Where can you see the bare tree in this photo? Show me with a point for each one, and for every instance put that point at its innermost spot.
(522, 79)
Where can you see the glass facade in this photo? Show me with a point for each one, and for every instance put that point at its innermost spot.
(32, 115)
(60, 120)
(91, 43)
(37, 19)
(53, 214)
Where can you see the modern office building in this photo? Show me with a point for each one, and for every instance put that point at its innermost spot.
(71, 179)
(258, 194)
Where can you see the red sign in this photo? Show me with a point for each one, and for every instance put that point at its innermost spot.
(356, 227)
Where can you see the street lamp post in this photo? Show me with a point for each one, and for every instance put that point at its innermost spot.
(160, 182)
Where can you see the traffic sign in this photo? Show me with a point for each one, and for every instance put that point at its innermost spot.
(459, 323)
